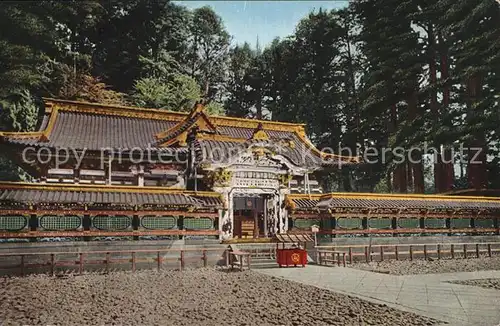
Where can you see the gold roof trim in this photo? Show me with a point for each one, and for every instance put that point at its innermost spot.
(159, 114)
(219, 137)
(202, 121)
(103, 188)
(40, 135)
(121, 111)
(300, 132)
(393, 196)
(21, 135)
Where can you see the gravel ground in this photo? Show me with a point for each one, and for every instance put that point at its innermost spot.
(489, 283)
(420, 266)
(192, 297)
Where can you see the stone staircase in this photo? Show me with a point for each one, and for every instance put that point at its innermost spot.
(263, 255)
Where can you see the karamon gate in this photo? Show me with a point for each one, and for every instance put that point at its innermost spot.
(113, 171)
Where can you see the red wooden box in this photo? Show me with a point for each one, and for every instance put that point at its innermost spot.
(291, 257)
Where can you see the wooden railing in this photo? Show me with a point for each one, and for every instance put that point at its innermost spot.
(343, 254)
(104, 259)
(96, 233)
(334, 232)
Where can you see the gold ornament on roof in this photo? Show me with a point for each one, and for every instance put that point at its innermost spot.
(218, 178)
(259, 133)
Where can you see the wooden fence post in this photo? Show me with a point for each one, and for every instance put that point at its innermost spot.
(350, 255)
(366, 254)
(489, 249)
(22, 265)
(52, 262)
(477, 250)
(80, 265)
(107, 262)
(133, 261)
(381, 253)
(452, 249)
(343, 259)
(396, 251)
(205, 262)
(465, 250)
(439, 250)
(411, 252)
(158, 260)
(338, 258)
(182, 260)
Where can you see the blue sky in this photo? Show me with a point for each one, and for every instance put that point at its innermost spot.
(246, 20)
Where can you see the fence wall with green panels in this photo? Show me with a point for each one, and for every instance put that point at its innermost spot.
(60, 222)
(349, 223)
(408, 223)
(380, 223)
(484, 222)
(112, 223)
(152, 222)
(459, 223)
(304, 223)
(13, 222)
(203, 223)
(435, 223)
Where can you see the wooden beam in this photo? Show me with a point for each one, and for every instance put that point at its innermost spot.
(94, 233)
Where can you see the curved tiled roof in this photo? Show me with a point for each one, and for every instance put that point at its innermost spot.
(117, 195)
(69, 124)
(392, 201)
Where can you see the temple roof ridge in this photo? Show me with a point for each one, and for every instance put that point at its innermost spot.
(114, 109)
(9, 185)
(392, 196)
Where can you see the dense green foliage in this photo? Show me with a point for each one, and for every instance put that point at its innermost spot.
(379, 73)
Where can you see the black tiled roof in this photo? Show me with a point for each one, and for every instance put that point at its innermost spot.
(84, 196)
(397, 203)
(94, 127)
(92, 131)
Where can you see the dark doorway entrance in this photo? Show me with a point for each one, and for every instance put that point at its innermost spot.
(248, 215)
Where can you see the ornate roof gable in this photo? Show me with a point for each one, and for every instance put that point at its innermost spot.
(177, 135)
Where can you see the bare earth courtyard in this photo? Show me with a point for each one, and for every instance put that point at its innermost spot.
(489, 283)
(421, 266)
(192, 297)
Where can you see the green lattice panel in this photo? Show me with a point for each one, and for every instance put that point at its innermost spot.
(460, 223)
(435, 223)
(159, 222)
(13, 222)
(302, 223)
(380, 223)
(484, 222)
(59, 223)
(409, 223)
(198, 223)
(118, 222)
(349, 223)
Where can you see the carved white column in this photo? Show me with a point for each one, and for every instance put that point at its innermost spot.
(226, 220)
(283, 213)
(265, 216)
(140, 176)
